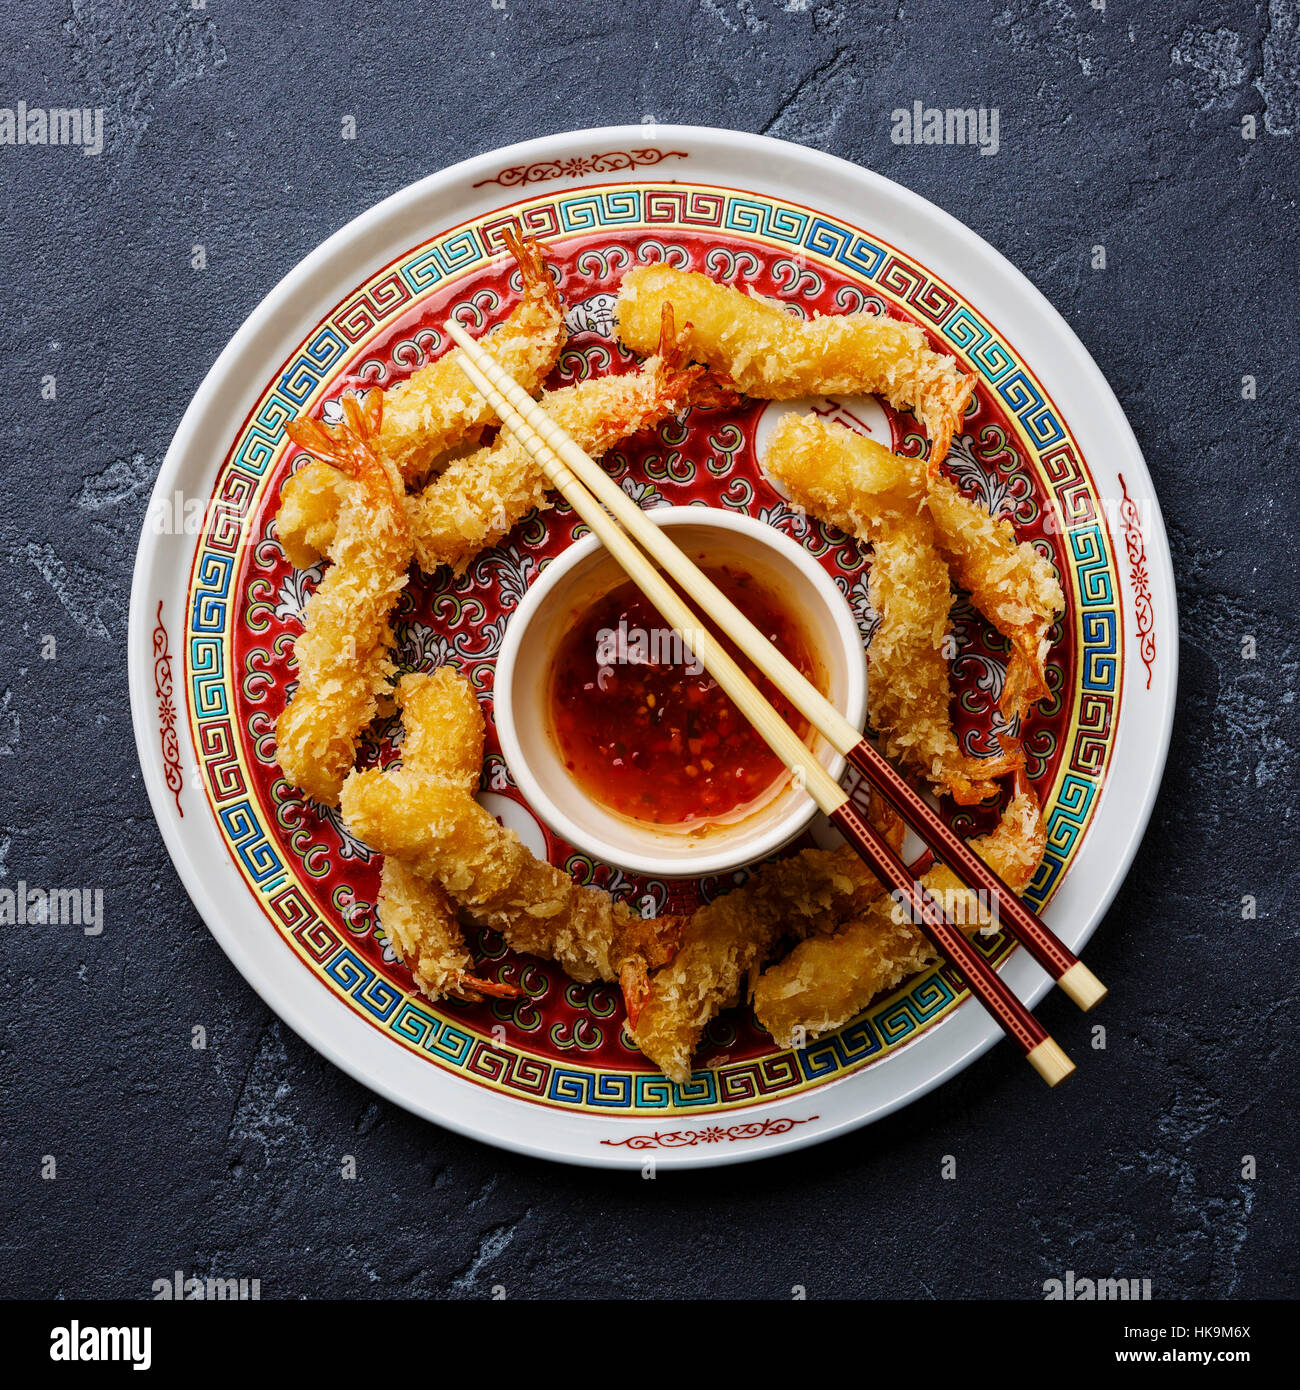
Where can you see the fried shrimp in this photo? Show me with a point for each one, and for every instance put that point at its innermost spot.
(827, 980)
(770, 353)
(880, 497)
(432, 822)
(444, 737)
(446, 836)
(436, 408)
(479, 497)
(443, 727)
(309, 512)
(910, 590)
(727, 940)
(342, 653)
(1010, 583)
(419, 919)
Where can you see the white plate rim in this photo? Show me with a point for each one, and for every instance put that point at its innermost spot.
(1065, 368)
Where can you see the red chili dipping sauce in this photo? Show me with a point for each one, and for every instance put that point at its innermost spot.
(646, 731)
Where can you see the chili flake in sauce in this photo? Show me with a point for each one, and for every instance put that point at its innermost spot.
(646, 731)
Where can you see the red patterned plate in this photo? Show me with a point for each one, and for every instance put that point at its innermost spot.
(290, 894)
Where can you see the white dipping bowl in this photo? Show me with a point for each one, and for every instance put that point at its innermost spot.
(585, 573)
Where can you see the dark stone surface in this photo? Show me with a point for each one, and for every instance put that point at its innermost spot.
(1120, 127)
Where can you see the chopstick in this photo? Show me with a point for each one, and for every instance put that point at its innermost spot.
(563, 463)
(1076, 980)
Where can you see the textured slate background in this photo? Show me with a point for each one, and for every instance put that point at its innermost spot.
(1120, 127)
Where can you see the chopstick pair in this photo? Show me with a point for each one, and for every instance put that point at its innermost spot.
(631, 538)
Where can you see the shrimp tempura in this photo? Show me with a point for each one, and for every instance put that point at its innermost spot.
(478, 498)
(342, 653)
(734, 935)
(442, 726)
(444, 736)
(769, 353)
(437, 828)
(420, 921)
(309, 511)
(879, 497)
(436, 408)
(1010, 583)
(827, 980)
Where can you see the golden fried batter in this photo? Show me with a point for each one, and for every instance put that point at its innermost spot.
(1010, 583)
(880, 497)
(419, 919)
(443, 726)
(433, 823)
(444, 737)
(726, 940)
(436, 408)
(342, 654)
(309, 512)
(355, 513)
(770, 353)
(827, 980)
(478, 498)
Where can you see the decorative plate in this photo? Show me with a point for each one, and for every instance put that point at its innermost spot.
(215, 605)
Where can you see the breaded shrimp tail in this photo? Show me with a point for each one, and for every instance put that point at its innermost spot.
(729, 938)
(770, 353)
(1010, 583)
(444, 737)
(879, 497)
(425, 815)
(827, 980)
(445, 835)
(419, 919)
(342, 653)
(478, 498)
(436, 408)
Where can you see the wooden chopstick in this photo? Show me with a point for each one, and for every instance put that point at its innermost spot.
(1074, 977)
(558, 455)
